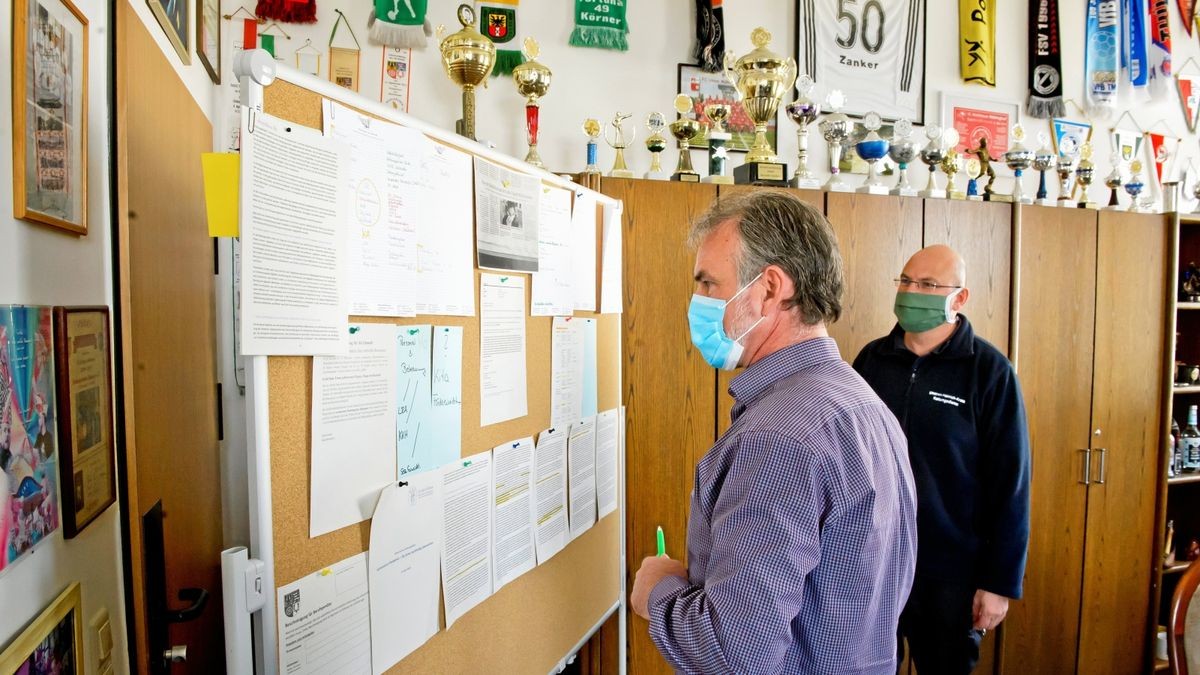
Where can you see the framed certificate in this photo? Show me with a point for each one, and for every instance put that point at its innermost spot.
(82, 354)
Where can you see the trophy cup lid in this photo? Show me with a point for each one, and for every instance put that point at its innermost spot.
(683, 104)
(950, 138)
(467, 55)
(760, 57)
(532, 77)
(872, 122)
(591, 127)
(902, 129)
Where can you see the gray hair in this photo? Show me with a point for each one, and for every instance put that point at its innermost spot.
(776, 228)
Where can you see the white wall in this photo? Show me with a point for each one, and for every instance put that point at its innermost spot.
(43, 266)
(596, 83)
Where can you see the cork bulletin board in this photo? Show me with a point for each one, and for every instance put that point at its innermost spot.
(531, 623)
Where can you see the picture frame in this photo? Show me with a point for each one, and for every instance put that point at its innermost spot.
(53, 641)
(842, 46)
(50, 114)
(975, 117)
(83, 374)
(208, 37)
(173, 16)
(704, 87)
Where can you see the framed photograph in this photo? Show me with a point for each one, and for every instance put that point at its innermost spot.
(49, 113)
(51, 643)
(705, 88)
(208, 37)
(873, 52)
(82, 354)
(173, 16)
(28, 432)
(975, 118)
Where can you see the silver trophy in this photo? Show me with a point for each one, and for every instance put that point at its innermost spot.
(1018, 158)
(1068, 159)
(803, 112)
(903, 151)
(932, 155)
(873, 148)
(1044, 160)
(835, 129)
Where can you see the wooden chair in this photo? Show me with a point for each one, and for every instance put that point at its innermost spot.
(1185, 592)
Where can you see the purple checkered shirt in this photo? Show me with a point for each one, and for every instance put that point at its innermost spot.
(802, 537)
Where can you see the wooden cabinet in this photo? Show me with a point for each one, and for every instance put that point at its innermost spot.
(1090, 336)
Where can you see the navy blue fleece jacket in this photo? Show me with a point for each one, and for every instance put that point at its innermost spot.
(960, 407)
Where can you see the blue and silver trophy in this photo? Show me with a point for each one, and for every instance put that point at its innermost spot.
(903, 151)
(1134, 186)
(871, 149)
(973, 170)
(1044, 160)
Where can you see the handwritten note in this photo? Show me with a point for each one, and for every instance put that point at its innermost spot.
(444, 440)
(413, 380)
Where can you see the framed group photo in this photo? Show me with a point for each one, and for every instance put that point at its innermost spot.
(52, 642)
(873, 51)
(49, 113)
(705, 88)
(173, 16)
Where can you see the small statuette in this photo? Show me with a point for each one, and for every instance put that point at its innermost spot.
(984, 155)
(1135, 185)
(872, 148)
(951, 165)
(618, 142)
(1018, 158)
(718, 155)
(803, 111)
(931, 155)
(655, 143)
(903, 151)
(973, 170)
(684, 130)
(1085, 173)
(1044, 160)
(835, 129)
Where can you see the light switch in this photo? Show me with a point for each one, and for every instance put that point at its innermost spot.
(104, 639)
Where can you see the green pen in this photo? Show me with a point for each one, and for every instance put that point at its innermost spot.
(662, 542)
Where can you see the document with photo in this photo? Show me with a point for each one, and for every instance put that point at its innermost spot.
(506, 217)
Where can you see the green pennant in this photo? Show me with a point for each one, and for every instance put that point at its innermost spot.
(601, 24)
(267, 42)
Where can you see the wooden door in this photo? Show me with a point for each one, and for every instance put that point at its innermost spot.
(876, 236)
(724, 400)
(1056, 321)
(1127, 407)
(168, 344)
(668, 388)
(981, 232)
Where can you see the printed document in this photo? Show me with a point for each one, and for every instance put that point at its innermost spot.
(324, 621)
(512, 495)
(566, 371)
(502, 349)
(583, 251)
(294, 298)
(581, 464)
(466, 534)
(611, 301)
(608, 428)
(506, 217)
(550, 492)
(406, 543)
(443, 441)
(552, 283)
(353, 426)
(445, 243)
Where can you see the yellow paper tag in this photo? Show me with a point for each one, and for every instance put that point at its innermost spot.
(221, 192)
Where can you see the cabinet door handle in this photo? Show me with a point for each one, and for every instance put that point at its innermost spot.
(1103, 464)
(1087, 466)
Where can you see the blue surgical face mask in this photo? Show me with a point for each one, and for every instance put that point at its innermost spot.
(706, 317)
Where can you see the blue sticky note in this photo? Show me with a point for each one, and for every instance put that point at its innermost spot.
(589, 368)
(413, 397)
(443, 441)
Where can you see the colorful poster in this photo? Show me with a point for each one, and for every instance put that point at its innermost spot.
(973, 124)
(28, 444)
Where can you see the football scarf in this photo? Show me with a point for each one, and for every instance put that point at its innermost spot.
(399, 23)
(1100, 57)
(1160, 49)
(499, 20)
(1045, 62)
(1135, 57)
(977, 41)
(601, 24)
(710, 35)
(288, 11)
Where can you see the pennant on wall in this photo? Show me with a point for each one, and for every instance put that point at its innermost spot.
(601, 24)
(1069, 135)
(710, 35)
(1100, 57)
(977, 41)
(249, 34)
(399, 23)
(1188, 87)
(288, 11)
(1187, 12)
(1160, 49)
(268, 43)
(343, 61)
(1162, 150)
(1126, 144)
(500, 21)
(1045, 62)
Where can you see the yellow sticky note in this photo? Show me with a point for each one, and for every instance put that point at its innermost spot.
(221, 192)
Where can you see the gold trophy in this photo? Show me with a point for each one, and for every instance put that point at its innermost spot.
(655, 143)
(618, 143)
(684, 130)
(951, 165)
(1084, 174)
(533, 81)
(762, 78)
(718, 155)
(467, 57)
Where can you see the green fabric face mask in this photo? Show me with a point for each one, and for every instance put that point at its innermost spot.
(919, 312)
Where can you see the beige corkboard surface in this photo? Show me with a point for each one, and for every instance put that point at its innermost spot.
(532, 622)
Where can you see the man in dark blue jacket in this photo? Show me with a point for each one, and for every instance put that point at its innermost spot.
(959, 403)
